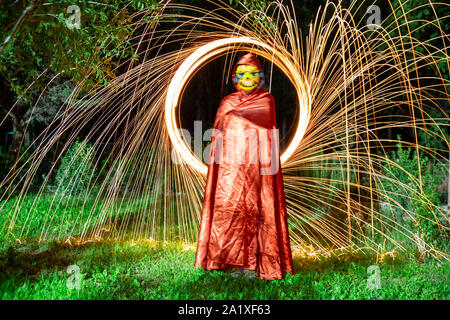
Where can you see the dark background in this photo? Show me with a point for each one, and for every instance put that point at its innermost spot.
(206, 89)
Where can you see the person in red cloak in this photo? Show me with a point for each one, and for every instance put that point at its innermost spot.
(244, 220)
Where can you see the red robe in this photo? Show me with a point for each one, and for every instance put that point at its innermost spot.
(244, 220)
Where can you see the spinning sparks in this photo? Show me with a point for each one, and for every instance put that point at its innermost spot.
(350, 81)
(200, 57)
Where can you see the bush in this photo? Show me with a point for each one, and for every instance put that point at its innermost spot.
(402, 187)
(76, 169)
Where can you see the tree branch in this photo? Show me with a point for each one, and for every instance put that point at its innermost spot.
(19, 22)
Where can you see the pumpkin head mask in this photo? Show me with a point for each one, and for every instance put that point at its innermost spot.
(248, 75)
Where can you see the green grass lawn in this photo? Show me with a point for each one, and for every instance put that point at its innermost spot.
(124, 271)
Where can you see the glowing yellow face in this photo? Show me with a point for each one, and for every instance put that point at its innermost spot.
(247, 78)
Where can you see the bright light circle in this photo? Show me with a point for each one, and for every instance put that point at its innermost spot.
(202, 55)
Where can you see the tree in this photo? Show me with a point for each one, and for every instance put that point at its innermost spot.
(40, 39)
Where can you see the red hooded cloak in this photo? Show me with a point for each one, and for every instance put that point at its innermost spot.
(244, 219)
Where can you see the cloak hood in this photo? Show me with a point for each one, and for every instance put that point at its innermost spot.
(250, 60)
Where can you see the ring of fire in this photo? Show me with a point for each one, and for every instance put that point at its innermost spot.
(201, 56)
